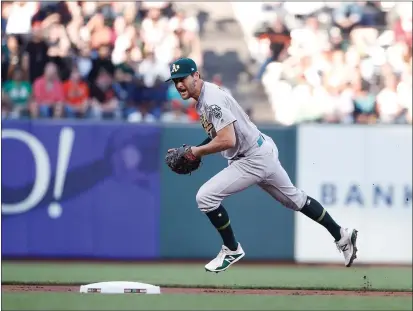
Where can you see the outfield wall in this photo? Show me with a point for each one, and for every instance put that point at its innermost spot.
(79, 189)
(363, 177)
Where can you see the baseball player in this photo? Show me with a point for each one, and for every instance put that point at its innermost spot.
(252, 160)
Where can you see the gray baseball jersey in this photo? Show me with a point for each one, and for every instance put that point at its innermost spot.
(253, 160)
(217, 108)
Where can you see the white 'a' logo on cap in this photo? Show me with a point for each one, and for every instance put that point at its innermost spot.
(175, 68)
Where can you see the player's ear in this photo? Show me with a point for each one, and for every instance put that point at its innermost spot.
(197, 75)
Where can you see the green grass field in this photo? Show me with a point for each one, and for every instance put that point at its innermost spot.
(193, 275)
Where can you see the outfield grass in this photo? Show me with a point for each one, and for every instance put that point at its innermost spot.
(194, 275)
(67, 301)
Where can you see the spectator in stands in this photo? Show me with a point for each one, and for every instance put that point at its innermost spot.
(165, 7)
(84, 63)
(128, 64)
(58, 51)
(404, 91)
(310, 39)
(366, 46)
(279, 37)
(108, 45)
(48, 94)
(6, 109)
(14, 55)
(177, 113)
(4, 57)
(125, 36)
(125, 9)
(158, 93)
(389, 106)
(217, 79)
(132, 17)
(104, 103)
(364, 101)
(337, 41)
(5, 11)
(102, 62)
(74, 25)
(19, 17)
(122, 84)
(182, 21)
(337, 72)
(142, 112)
(366, 32)
(304, 102)
(100, 34)
(402, 28)
(17, 93)
(337, 107)
(191, 111)
(136, 92)
(35, 57)
(347, 16)
(153, 29)
(76, 94)
(184, 39)
(88, 9)
(151, 68)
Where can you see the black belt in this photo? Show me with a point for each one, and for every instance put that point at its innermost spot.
(259, 142)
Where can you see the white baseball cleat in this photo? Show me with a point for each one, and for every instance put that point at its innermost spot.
(347, 245)
(225, 259)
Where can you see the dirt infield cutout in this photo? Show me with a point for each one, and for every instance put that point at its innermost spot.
(170, 290)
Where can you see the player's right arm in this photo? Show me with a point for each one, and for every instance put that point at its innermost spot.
(225, 139)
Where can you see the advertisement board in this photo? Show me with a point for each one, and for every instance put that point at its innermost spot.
(73, 189)
(362, 175)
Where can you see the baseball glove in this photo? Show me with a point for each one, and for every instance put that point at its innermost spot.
(182, 161)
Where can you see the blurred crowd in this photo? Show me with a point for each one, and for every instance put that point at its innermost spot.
(95, 59)
(336, 62)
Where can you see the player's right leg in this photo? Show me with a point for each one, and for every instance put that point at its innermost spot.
(280, 187)
(230, 180)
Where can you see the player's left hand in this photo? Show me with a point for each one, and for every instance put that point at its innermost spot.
(181, 160)
(194, 150)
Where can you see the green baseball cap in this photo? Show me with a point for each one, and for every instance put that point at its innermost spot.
(182, 68)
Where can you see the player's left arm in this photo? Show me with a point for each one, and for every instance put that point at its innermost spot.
(223, 122)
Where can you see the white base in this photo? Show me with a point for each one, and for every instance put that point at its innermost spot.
(120, 287)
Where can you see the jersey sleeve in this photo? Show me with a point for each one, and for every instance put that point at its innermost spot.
(218, 113)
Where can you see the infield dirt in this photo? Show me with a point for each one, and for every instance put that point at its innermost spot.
(171, 290)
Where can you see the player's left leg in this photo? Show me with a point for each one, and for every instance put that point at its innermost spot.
(238, 176)
(280, 187)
